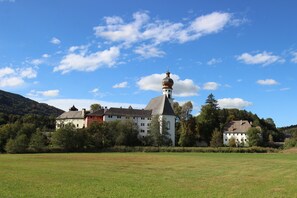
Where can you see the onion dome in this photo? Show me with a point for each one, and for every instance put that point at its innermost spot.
(167, 81)
(73, 108)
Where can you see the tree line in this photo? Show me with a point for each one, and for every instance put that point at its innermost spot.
(206, 129)
(31, 133)
(21, 137)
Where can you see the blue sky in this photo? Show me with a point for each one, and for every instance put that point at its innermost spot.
(116, 53)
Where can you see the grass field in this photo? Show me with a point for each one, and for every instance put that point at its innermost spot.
(148, 175)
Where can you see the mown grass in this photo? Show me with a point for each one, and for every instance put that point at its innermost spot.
(148, 175)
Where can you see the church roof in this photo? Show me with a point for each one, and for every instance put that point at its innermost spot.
(128, 112)
(160, 106)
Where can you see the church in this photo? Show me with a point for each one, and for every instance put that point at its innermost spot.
(161, 106)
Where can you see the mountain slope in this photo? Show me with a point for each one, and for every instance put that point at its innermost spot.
(11, 103)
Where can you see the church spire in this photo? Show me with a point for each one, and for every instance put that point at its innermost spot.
(167, 84)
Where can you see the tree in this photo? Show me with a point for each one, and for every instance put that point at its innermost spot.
(232, 142)
(188, 135)
(17, 145)
(95, 107)
(216, 139)
(208, 119)
(186, 110)
(158, 134)
(127, 133)
(38, 142)
(68, 138)
(254, 136)
(100, 134)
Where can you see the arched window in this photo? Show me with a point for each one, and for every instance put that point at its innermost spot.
(168, 125)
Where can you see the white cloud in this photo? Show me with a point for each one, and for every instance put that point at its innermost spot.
(55, 41)
(11, 81)
(214, 61)
(116, 30)
(28, 73)
(89, 62)
(82, 49)
(148, 51)
(36, 62)
(51, 93)
(97, 93)
(6, 71)
(267, 82)
(47, 93)
(181, 88)
(294, 59)
(211, 86)
(210, 23)
(121, 85)
(65, 104)
(231, 103)
(264, 58)
(150, 33)
(10, 77)
(45, 55)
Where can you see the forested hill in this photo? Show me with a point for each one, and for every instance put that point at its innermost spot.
(18, 105)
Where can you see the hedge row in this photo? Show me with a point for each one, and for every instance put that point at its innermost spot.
(191, 149)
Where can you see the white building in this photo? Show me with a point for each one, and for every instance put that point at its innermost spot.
(77, 118)
(238, 131)
(160, 106)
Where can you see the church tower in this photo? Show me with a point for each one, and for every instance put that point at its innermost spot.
(167, 84)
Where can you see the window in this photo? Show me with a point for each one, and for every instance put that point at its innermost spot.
(142, 118)
(127, 117)
(148, 124)
(142, 124)
(149, 118)
(168, 125)
(119, 117)
(225, 140)
(134, 118)
(142, 131)
(110, 116)
(77, 125)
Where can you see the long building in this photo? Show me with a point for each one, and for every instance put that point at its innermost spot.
(160, 106)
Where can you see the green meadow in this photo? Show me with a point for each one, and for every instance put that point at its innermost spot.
(148, 175)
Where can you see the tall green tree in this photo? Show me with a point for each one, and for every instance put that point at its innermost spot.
(216, 139)
(208, 119)
(254, 137)
(100, 136)
(158, 134)
(17, 145)
(127, 133)
(38, 142)
(188, 135)
(69, 138)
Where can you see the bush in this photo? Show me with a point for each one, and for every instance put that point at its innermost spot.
(17, 145)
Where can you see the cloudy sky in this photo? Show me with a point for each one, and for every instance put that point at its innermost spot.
(116, 53)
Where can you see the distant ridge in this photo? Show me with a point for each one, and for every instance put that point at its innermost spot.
(11, 103)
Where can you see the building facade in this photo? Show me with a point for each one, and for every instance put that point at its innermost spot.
(238, 131)
(161, 106)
